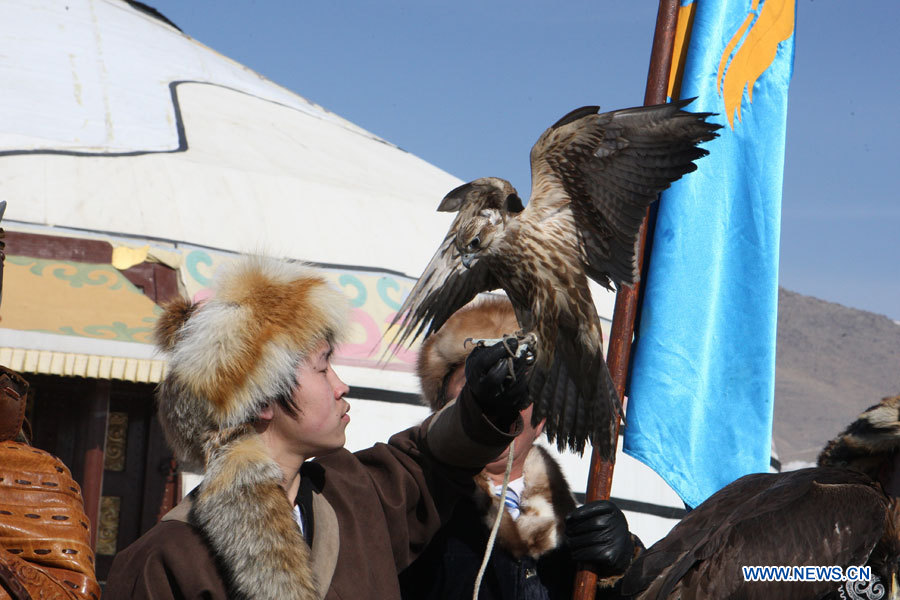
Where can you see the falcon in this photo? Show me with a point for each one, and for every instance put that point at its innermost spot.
(841, 513)
(593, 177)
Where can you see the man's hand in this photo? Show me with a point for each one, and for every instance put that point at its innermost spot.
(501, 394)
(597, 533)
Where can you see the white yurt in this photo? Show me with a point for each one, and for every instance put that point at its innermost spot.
(134, 161)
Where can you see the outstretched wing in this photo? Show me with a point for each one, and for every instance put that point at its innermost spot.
(610, 167)
(444, 287)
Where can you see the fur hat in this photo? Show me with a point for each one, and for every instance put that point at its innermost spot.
(230, 355)
(445, 350)
(868, 441)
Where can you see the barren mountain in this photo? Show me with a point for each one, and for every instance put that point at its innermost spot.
(832, 362)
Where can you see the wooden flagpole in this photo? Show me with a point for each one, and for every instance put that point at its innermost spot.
(619, 352)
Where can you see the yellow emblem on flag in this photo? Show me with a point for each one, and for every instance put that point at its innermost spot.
(683, 26)
(739, 69)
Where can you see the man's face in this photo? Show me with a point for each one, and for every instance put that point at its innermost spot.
(321, 420)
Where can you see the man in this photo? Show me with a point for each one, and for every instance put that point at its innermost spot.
(537, 546)
(249, 396)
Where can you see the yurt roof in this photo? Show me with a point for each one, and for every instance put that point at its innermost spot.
(114, 121)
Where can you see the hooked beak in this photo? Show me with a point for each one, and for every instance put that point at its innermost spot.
(468, 259)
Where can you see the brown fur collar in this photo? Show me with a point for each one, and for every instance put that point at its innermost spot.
(240, 349)
(867, 442)
(544, 505)
(242, 511)
(445, 349)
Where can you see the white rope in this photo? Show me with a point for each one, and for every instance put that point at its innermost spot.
(496, 527)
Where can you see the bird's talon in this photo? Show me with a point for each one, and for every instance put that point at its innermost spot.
(474, 342)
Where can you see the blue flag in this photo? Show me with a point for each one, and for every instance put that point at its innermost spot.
(703, 372)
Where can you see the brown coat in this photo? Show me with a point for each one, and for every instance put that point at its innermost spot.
(372, 513)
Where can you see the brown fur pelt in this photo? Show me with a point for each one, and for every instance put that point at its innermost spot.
(867, 442)
(175, 314)
(243, 512)
(544, 504)
(445, 350)
(240, 349)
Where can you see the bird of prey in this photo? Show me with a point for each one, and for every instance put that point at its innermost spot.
(844, 512)
(593, 177)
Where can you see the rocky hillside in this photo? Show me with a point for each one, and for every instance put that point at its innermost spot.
(832, 362)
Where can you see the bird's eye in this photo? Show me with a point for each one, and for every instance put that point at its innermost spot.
(475, 243)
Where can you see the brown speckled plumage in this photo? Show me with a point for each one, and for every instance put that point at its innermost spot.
(593, 176)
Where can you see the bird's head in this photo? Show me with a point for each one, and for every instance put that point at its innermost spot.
(484, 206)
(476, 235)
(870, 444)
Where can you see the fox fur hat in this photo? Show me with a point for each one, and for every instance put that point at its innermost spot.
(868, 441)
(239, 350)
(445, 350)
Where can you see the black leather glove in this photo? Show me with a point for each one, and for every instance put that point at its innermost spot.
(597, 533)
(500, 395)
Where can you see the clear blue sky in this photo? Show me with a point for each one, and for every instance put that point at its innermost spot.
(470, 85)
